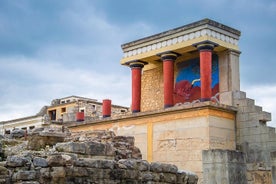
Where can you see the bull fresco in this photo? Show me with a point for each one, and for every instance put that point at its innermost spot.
(187, 84)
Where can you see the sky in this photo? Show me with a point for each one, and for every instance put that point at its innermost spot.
(52, 49)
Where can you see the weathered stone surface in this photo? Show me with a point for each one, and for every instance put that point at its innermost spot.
(95, 148)
(59, 160)
(71, 147)
(16, 161)
(161, 167)
(38, 142)
(57, 172)
(66, 163)
(26, 175)
(41, 137)
(40, 162)
(17, 133)
(228, 164)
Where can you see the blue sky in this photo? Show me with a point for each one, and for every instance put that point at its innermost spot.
(52, 49)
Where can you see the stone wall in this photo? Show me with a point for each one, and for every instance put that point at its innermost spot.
(84, 157)
(254, 138)
(67, 168)
(176, 135)
(152, 89)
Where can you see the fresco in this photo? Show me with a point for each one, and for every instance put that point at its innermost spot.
(187, 84)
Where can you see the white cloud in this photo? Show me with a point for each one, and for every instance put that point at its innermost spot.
(53, 80)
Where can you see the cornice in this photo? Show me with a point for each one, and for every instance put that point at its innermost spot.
(187, 35)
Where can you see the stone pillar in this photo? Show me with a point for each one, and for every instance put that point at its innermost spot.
(223, 166)
(229, 75)
(106, 108)
(205, 54)
(168, 59)
(136, 73)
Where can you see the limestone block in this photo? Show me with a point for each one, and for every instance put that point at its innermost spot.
(71, 147)
(247, 124)
(57, 172)
(258, 108)
(76, 172)
(164, 168)
(16, 161)
(242, 117)
(221, 123)
(59, 160)
(40, 162)
(226, 97)
(45, 173)
(264, 116)
(239, 94)
(26, 175)
(245, 102)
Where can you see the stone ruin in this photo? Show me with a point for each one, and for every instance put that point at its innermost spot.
(54, 155)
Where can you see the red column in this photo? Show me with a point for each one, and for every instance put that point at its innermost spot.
(106, 108)
(168, 59)
(136, 70)
(205, 54)
(206, 74)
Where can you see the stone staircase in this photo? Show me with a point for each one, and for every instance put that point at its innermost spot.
(254, 137)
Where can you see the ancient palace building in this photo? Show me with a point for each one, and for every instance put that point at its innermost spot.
(187, 107)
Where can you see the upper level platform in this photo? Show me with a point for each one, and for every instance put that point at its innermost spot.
(181, 40)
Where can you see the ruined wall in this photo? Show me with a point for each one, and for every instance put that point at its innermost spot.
(85, 157)
(66, 168)
(177, 136)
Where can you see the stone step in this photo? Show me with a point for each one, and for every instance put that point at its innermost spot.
(245, 102)
(258, 108)
(264, 116)
(239, 94)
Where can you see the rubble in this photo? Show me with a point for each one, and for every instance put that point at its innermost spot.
(90, 157)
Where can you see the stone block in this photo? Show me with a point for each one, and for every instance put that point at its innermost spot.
(76, 172)
(57, 172)
(221, 123)
(26, 175)
(242, 116)
(59, 160)
(239, 94)
(164, 168)
(258, 108)
(264, 116)
(71, 147)
(248, 109)
(16, 161)
(226, 98)
(224, 166)
(95, 148)
(40, 162)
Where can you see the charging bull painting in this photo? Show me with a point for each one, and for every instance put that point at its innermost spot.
(187, 84)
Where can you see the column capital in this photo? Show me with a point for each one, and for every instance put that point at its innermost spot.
(168, 55)
(205, 45)
(136, 64)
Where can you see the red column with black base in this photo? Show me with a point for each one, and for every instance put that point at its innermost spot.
(168, 59)
(106, 108)
(205, 54)
(136, 73)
